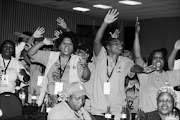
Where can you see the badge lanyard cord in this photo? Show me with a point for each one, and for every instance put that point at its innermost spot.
(62, 71)
(109, 75)
(6, 66)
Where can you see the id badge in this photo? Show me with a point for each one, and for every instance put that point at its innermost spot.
(4, 80)
(58, 87)
(40, 79)
(107, 88)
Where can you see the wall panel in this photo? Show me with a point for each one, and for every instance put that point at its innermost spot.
(17, 16)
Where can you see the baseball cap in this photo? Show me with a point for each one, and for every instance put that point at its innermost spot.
(76, 88)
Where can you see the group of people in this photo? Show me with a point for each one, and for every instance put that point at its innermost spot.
(73, 88)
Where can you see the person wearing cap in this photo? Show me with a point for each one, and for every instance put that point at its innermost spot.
(72, 107)
(84, 51)
(111, 68)
(160, 76)
(166, 100)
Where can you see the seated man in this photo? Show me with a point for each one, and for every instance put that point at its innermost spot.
(71, 107)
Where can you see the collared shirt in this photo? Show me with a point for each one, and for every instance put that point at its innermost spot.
(150, 84)
(12, 71)
(117, 96)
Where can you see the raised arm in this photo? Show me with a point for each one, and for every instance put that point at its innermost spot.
(62, 24)
(137, 49)
(37, 34)
(35, 48)
(172, 56)
(109, 18)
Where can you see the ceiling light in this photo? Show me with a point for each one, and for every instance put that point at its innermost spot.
(102, 6)
(130, 2)
(81, 9)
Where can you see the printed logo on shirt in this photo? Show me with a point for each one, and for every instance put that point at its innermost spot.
(119, 69)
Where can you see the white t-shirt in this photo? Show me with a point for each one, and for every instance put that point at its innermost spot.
(117, 96)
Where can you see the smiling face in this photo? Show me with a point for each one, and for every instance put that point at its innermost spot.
(165, 103)
(7, 50)
(115, 46)
(66, 47)
(158, 61)
(76, 102)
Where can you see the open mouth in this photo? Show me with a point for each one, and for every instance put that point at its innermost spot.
(66, 49)
(120, 48)
(158, 64)
(164, 107)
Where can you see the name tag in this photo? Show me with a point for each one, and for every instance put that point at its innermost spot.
(58, 87)
(107, 88)
(40, 79)
(4, 80)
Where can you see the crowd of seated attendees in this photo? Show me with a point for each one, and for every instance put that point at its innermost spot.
(55, 76)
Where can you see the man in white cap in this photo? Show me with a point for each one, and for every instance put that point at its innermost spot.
(71, 107)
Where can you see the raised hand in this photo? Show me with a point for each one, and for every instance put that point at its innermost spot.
(61, 23)
(38, 33)
(83, 60)
(115, 34)
(18, 34)
(177, 45)
(137, 26)
(111, 16)
(56, 34)
(48, 41)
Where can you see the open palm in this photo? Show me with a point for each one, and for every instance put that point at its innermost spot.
(111, 16)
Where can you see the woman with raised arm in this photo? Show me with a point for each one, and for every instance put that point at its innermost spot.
(172, 57)
(150, 83)
(62, 67)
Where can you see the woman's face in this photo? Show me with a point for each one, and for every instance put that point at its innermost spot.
(158, 61)
(66, 47)
(165, 103)
(7, 50)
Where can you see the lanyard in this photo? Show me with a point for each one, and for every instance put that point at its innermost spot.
(62, 71)
(77, 115)
(5, 65)
(109, 75)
